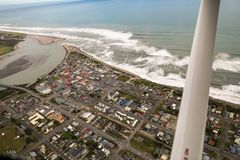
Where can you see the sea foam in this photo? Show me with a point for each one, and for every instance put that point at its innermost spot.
(105, 45)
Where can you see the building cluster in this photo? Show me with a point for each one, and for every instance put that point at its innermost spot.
(147, 144)
(233, 141)
(43, 152)
(147, 89)
(213, 130)
(160, 135)
(78, 142)
(76, 77)
(119, 115)
(22, 103)
(209, 154)
(215, 108)
(129, 102)
(165, 120)
(107, 125)
(4, 114)
(84, 105)
(44, 118)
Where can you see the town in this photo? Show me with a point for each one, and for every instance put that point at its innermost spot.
(85, 109)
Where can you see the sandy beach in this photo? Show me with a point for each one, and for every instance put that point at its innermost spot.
(45, 40)
(75, 49)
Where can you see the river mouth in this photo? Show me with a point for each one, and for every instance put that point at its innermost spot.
(34, 57)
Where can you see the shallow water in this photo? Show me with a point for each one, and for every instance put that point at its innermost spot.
(39, 60)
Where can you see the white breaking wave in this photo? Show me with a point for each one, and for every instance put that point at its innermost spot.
(229, 93)
(109, 34)
(182, 62)
(223, 61)
(105, 44)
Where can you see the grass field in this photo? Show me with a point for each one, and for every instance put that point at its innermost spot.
(146, 144)
(128, 96)
(13, 35)
(9, 41)
(5, 49)
(9, 142)
(123, 78)
(6, 93)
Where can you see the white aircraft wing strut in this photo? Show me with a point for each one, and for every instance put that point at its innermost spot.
(190, 131)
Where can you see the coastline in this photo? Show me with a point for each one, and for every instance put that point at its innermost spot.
(80, 51)
(46, 40)
(67, 52)
(73, 48)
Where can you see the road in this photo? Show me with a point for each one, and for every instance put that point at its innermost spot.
(44, 138)
(125, 144)
(122, 144)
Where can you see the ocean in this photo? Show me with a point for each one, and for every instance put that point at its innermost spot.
(151, 38)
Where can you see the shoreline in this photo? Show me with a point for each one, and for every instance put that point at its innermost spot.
(99, 61)
(46, 40)
(80, 51)
(67, 52)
